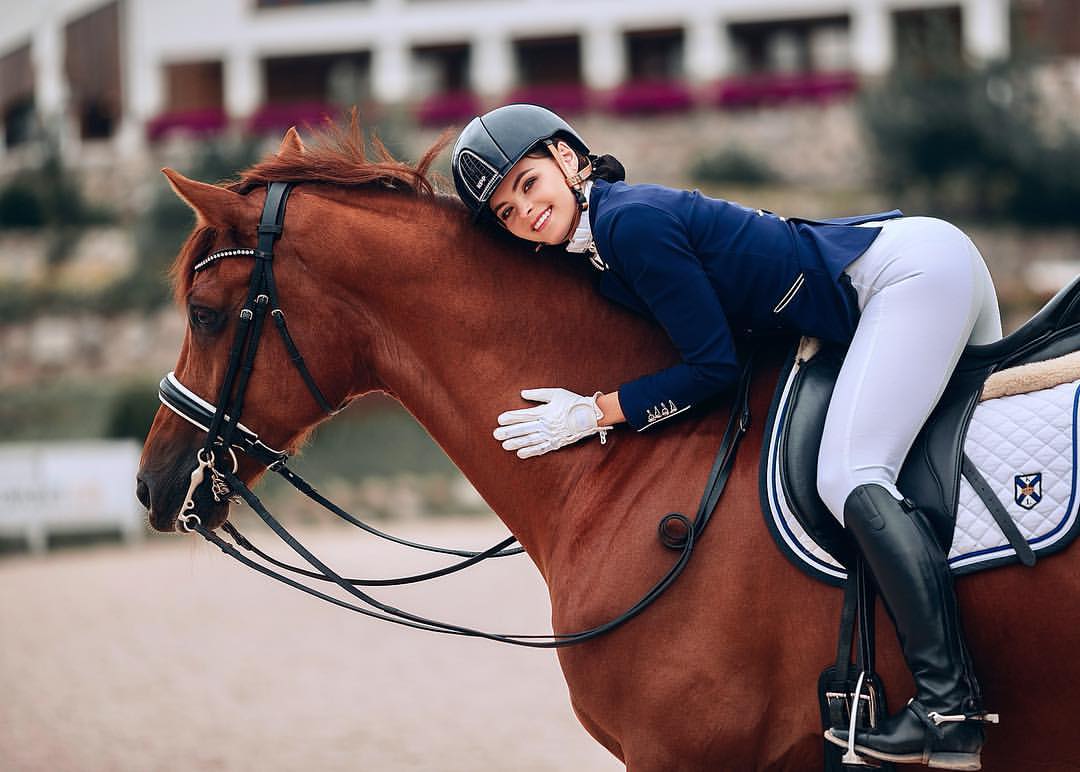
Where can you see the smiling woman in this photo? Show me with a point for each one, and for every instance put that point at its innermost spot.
(535, 203)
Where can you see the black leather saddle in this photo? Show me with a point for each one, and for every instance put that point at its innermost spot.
(931, 473)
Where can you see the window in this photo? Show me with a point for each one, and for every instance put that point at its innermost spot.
(440, 69)
(292, 3)
(92, 66)
(549, 61)
(342, 79)
(440, 76)
(194, 86)
(1046, 27)
(794, 60)
(792, 46)
(930, 38)
(655, 55)
(655, 75)
(17, 96)
(549, 74)
(194, 101)
(306, 89)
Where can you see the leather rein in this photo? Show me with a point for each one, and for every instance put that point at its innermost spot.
(225, 434)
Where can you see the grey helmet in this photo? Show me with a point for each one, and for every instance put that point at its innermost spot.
(492, 143)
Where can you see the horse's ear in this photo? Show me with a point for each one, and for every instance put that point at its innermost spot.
(212, 205)
(291, 142)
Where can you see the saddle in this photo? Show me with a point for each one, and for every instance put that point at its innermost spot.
(940, 460)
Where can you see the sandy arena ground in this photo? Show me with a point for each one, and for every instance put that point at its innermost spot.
(170, 656)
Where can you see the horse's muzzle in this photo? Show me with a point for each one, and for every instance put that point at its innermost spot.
(164, 497)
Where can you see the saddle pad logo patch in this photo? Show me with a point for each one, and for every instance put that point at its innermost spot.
(1028, 489)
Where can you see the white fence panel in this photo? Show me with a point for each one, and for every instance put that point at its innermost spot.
(69, 487)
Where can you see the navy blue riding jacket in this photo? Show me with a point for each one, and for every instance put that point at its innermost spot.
(703, 267)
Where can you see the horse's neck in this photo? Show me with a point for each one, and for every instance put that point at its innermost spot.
(462, 322)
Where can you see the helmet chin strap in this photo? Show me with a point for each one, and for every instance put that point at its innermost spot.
(574, 182)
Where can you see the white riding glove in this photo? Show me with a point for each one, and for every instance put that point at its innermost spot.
(565, 417)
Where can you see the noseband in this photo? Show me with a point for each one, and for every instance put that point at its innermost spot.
(225, 434)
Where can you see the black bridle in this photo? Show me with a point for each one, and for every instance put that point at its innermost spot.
(225, 434)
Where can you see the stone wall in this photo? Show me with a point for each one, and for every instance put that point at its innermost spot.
(98, 257)
(87, 346)
(816, 145)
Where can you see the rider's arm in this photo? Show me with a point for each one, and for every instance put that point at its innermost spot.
(651, 249)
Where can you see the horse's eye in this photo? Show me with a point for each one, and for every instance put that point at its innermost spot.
(203, 318)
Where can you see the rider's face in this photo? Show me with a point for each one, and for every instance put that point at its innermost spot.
(534, 202)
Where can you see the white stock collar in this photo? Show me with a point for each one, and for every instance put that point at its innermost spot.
(582, 238)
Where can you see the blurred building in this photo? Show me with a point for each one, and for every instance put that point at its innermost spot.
(128, 72)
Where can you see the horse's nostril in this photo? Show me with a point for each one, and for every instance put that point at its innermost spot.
(142, 493)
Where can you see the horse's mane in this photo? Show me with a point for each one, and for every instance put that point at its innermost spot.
(336, 154)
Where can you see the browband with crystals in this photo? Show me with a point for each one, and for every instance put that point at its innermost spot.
(232, 252)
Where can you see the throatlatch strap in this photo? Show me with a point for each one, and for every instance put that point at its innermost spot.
(298, 361)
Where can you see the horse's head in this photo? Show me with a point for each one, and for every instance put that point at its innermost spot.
(277, 403)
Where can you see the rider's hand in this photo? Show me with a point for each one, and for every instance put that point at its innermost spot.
(563, 418)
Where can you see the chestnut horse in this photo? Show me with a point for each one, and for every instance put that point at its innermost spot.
(389, 287)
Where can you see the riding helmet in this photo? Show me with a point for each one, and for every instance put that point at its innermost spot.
(492, 143)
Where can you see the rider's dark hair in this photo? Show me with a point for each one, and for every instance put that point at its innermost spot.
(607, 168)
(604, 167)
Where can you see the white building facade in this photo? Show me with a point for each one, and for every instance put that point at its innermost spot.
(228, 61)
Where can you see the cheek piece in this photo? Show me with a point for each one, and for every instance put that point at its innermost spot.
(574, 182)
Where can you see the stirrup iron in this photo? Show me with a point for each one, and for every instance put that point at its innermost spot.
(850, 757)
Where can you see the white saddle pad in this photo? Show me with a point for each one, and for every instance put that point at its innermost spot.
(1024, 445)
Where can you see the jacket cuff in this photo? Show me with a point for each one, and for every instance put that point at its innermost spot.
(641, 412)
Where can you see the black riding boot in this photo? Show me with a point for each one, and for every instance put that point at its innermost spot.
(943, 725)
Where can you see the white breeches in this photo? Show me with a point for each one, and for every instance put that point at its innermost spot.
(924, 293)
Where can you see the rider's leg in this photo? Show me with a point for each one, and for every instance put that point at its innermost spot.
(914, 579)
(924, 293)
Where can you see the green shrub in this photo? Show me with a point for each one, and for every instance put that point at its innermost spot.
(48, 196)
(161, 229)
(20, 206)
(972, 143)
(133, 410)
(733, 166)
